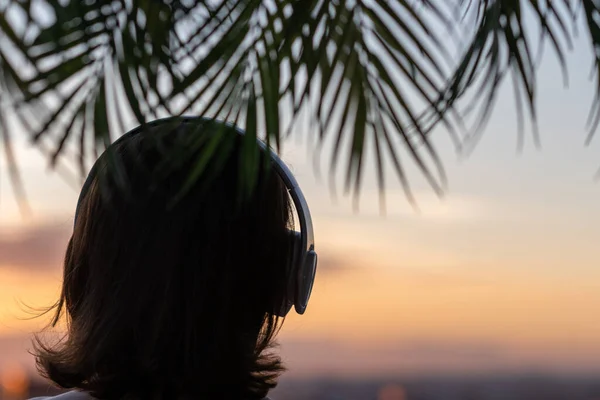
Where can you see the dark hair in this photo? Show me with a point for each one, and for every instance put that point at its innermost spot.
(172, 300)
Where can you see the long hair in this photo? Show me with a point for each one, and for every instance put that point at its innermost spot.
(172, 300)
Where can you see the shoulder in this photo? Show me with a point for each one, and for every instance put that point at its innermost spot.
(73, 395)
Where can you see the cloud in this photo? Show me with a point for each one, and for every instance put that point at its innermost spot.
(416, 350)
(43, 246)
(35, 247)
(451, 349)
(324, 357)
(331, 260)
(15, 349)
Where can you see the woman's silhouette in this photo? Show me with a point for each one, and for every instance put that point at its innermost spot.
(171, 294)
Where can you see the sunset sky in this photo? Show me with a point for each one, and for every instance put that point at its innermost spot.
(503, 274)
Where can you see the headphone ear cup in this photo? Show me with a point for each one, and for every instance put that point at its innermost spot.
(306, 279)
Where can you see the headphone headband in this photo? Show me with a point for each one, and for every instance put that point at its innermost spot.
(293, 188)
(305, 265)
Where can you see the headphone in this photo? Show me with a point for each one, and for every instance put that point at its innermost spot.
(304, 261)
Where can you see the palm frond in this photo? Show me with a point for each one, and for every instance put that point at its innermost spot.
(502, 45)
(591, 8)
(381, 73)
(13, 172)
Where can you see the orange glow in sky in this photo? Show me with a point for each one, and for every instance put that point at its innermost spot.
(14, 382)
(501, 274)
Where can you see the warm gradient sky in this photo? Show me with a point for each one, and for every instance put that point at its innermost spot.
(502, 274)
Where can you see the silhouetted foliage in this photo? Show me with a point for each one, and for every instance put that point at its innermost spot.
(75, 73)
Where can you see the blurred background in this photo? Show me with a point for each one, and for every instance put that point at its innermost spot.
(492, 292)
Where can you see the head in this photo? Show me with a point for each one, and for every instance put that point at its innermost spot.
(171, 294)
